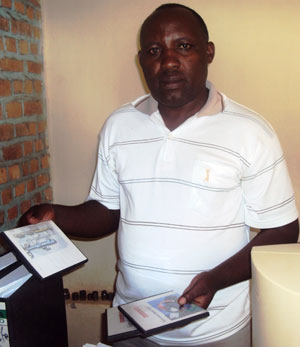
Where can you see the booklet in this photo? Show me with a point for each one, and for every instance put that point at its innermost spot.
(161, 312)
(44, 248)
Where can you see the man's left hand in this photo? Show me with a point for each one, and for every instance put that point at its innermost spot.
(200, 291)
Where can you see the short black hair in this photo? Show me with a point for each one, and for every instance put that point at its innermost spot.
(174, 5)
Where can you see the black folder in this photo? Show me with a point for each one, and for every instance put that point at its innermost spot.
(32, 313)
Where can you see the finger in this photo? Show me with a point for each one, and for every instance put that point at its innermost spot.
(182, 301)
(33, 220)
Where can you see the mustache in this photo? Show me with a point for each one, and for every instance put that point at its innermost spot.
(171, 76)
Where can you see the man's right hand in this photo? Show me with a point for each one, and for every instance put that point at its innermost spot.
(36, 214)
(90, 219)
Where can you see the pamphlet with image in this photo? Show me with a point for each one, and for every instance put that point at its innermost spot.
(44, 248)
(161, 312)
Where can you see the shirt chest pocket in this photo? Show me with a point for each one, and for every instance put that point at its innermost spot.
(215, 176)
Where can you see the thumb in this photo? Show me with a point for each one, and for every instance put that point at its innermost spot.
(182, 300)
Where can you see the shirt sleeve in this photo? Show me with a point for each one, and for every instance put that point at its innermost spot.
(105, 185)
(267, 188)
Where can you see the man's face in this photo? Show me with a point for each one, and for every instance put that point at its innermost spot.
(174, 57)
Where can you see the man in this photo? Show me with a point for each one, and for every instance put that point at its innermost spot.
(183, 173)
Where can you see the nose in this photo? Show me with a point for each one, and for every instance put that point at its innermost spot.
(169, 60)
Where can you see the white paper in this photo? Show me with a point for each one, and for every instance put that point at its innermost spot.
(13, 281)
(6, 260)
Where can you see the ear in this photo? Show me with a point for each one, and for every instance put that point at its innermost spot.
(139, 56)
(210, 52)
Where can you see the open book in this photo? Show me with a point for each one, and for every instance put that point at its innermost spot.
(151, 315)
(44, 248)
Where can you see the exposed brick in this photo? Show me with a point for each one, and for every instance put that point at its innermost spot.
(42, 180)
(36, 32)
(6, 3)
(39, 146)
(25, 206)
(33, 107)
(6, 132)
(6, 196)
(42, 126)
(37, 199)
(34, 165)
(25, 28)
(30, 185)
(34, 48)
(28, 87)
(4, 24)
(3, 175)
(14, 109)
(38, 15)
(14, 26)
(35, 3)
(34, 67)
(14, 172)
(48, 194)
(11, 44)
(19, 7)
(12, 213)
(38, 86)
(45, 162)
(12, 152)
(20, 189)
(28, 147)
(30, 12)
(5, 88)
(21, 27)
(21, 58)
(9, 64)
(25, 168)
(25, 129)
(18, 86)
(1, 217)
(23, 47)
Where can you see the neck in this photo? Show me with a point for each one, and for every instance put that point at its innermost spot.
(175, 116)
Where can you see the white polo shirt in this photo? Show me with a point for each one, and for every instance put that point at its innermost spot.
(187, 198)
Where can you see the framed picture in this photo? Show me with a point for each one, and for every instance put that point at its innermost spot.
(44, 248)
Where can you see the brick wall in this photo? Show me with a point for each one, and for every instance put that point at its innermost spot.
(24, 158)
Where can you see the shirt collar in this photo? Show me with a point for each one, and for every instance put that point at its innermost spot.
(214, 104)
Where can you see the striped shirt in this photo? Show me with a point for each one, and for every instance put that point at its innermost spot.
(187, 199)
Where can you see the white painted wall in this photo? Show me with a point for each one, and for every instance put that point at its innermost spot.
(90, 68)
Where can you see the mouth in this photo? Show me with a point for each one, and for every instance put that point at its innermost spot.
(171, 82)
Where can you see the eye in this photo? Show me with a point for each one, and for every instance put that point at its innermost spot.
(153, 51)
(184, 46)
